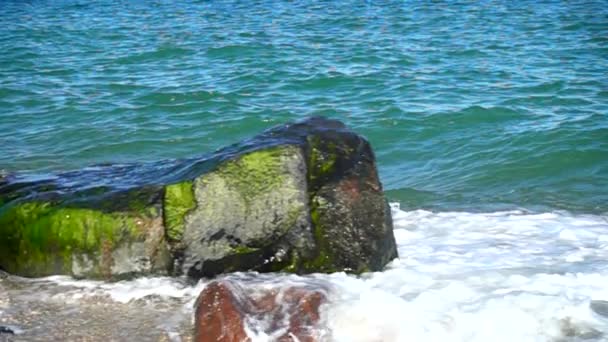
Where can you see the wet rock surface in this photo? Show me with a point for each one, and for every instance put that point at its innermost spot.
(228, 311)
(258, 218)
(300, 198)
(161, 308)
(6, 330)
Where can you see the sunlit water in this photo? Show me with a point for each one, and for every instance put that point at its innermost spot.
(467, 104)
(488, 119)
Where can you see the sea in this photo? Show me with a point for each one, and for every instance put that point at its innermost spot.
(489, 121)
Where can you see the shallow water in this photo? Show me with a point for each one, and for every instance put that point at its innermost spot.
(501, 276)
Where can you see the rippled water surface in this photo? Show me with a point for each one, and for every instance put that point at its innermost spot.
(498, 103)
(489, 121)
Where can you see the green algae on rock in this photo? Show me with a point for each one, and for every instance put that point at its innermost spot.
(302, 198)
(178, 201)
(257, 216)
(41, 238)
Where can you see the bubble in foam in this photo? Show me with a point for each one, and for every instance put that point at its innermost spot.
(503, 276)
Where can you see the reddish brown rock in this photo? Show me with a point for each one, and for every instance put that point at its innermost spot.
(284, 314)
(218, 315)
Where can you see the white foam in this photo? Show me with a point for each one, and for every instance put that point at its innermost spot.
(127, 291)
(503, 276)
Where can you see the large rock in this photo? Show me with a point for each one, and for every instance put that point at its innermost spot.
(302, 198)
(258, 217)
(225, 310)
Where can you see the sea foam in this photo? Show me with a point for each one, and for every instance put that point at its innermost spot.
(502, 276)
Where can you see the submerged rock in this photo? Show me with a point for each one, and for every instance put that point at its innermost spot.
(302, 198)
(6, 330)
(225, 311)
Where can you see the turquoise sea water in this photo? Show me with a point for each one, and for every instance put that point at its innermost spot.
(489, 121)
(469, 105)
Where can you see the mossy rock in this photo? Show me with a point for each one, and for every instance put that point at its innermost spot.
(177, 202)
(351, 218)
(44, 238)
(251, 214)
(302, 197)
